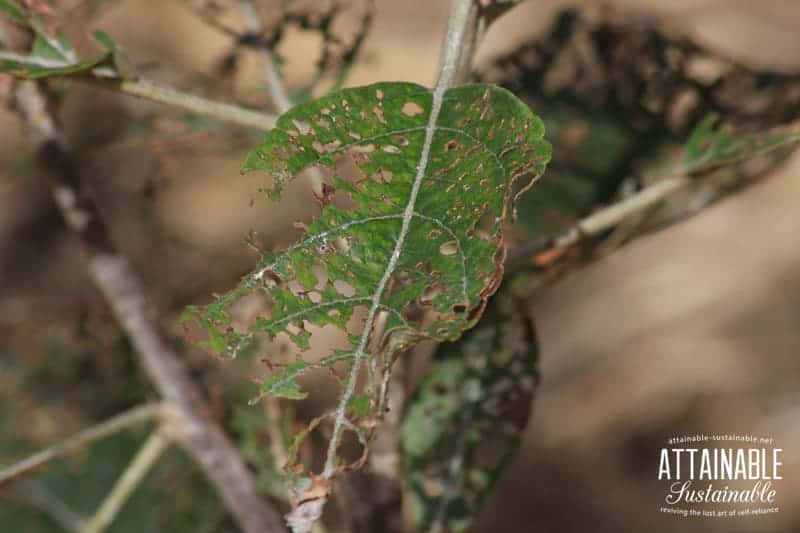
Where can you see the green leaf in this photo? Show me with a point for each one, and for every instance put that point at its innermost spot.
(50, 56)
(412, 246)
(709, 147)
(36, 67)
(283, 384)
(122, 64)
(360, 404)
(416, 216)
(14, 11)
(463, 425)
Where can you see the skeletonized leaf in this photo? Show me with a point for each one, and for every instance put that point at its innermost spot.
(464, 422)
(416, 248)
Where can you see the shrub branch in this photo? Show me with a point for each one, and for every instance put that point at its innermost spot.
(156, 444)
(124, 292)
(137, 415)
(275, 88)
(225, 112)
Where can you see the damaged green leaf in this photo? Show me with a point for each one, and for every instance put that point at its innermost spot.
(412, 252)
(464, 423)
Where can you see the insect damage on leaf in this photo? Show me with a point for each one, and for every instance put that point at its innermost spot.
(464, 423)
(414, 252)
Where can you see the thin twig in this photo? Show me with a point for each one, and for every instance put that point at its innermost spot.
(225, 112)
(107, 78)
(272, 80)
(120, 422)
(125, 294)
(39, 496)
(275, 88)
(211, 20)
(145, 458)
(604, 219)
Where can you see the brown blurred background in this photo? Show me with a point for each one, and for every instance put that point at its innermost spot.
(695, 328)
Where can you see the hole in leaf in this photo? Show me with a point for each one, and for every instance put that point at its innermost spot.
(431, 292)
(327, 147)
(342, 245)
(295, 287)
(351, 449)
(382, 176)
(344, 288)
(448, 248)
(379, 114)
(363, 148)
(411, 109)
(302, 126)
(247, 309)
(355, 323)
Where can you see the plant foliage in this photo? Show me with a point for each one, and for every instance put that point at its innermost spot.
(617, 97)
(413, 252)
(464, 424)
(53, 55)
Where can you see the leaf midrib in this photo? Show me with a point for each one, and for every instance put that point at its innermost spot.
(408, 215)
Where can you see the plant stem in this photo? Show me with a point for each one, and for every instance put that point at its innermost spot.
(605, 219)
(124, 292)
(210, 19)
(272, 80)
(120, 422)
(39, 496)
(457, 46)
(275, 88)
(145, 458)
(201, 106)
